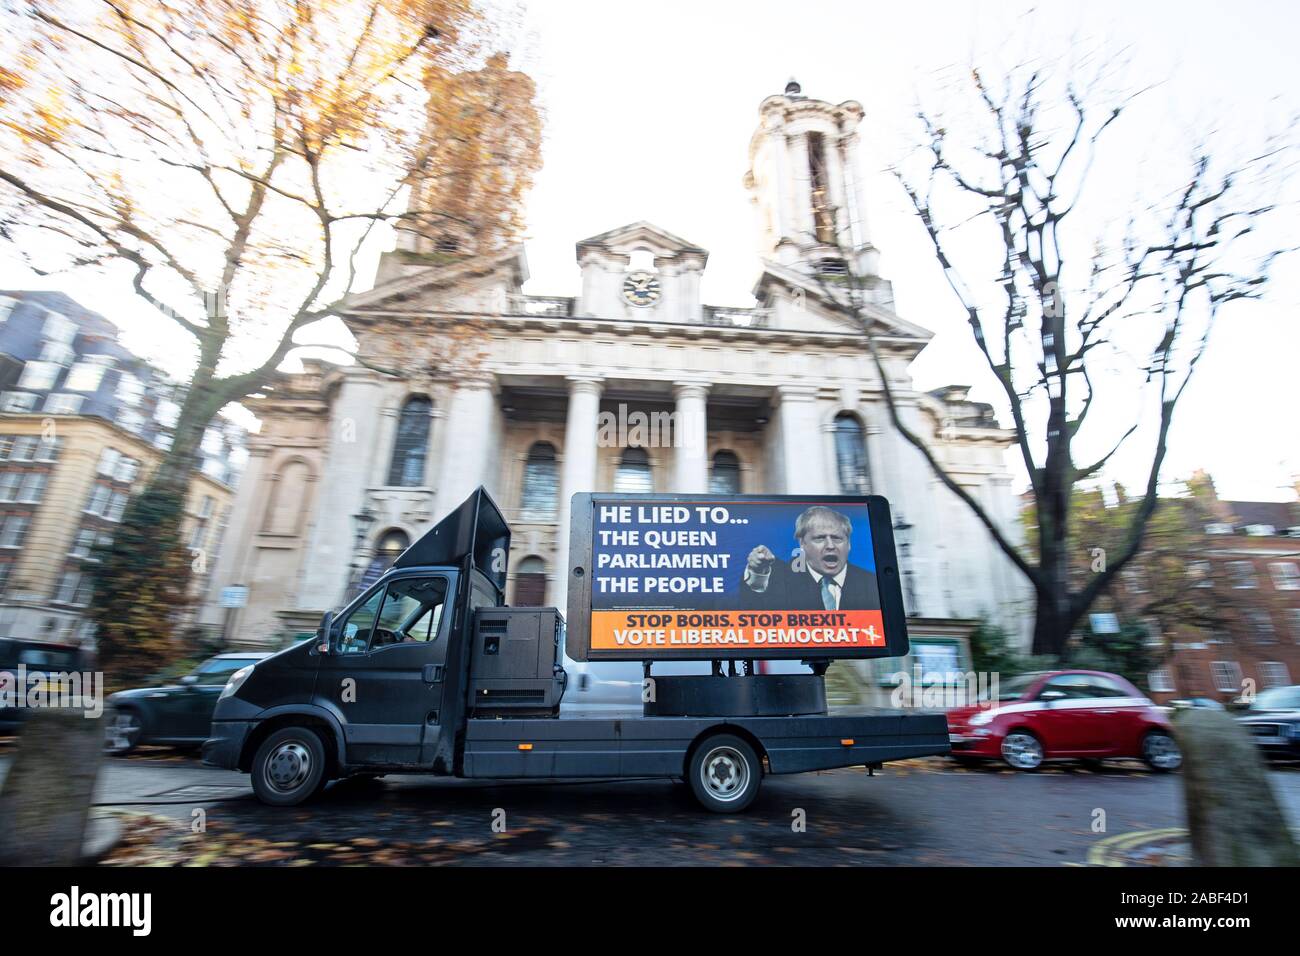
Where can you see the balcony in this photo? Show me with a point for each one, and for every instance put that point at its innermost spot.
(738, 318)
(539, 305)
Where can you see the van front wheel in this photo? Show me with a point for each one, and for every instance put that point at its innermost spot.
(288, 767)
(725, 774)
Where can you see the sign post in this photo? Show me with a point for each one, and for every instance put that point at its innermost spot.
(232, 599)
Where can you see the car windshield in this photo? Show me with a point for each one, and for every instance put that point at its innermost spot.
(1015, 688)
(1278, 698)
(219, 669)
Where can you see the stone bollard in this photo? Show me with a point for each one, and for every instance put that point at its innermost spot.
(1232, 813)
(45, 801)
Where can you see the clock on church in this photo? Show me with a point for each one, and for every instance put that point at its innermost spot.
(641, 289)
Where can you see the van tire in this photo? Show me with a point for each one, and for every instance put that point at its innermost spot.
(289, 767)
(724, 774)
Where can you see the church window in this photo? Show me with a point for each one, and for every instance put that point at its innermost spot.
(633, 475)
(530, 583)
(851, 456)
(388, 547)
(541, 483)
(823, 216)
(411, 445)
(288, 498)
(724, 478)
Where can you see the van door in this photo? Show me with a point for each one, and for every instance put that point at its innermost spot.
(385, 675)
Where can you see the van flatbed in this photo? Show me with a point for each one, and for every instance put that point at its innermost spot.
(577, 744)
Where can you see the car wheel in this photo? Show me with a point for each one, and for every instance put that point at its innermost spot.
(289, 767)
(123, 731)
(724, 774)
(1022, 750)
(1160, 752)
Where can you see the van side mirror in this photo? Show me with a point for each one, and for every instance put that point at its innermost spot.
(323, 635)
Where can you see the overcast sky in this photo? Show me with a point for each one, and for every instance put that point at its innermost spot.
(650, 106)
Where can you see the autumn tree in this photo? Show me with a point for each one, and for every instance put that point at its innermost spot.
(1168, 590)
(236, 161)
(1063, 288)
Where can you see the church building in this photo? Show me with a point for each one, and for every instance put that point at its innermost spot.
(463, 380)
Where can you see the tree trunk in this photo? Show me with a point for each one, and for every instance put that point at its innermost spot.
(142, 580)
(1052, 626)
(1052, 620)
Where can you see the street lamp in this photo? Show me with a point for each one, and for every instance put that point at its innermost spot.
(903, 535)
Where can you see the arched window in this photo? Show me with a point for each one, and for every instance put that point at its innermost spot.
(288, 499)
(724, 478)
(541, 483)
(411, 444)
(633, 475)
(530, 583)
(388, 546)
(851, 456)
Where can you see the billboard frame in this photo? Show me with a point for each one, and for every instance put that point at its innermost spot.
(582, 508)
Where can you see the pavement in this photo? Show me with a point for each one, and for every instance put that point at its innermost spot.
(916, 812)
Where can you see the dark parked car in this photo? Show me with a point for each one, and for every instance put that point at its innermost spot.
(1273, 719)
(38, 657)
(176, 714)
(1195, 703)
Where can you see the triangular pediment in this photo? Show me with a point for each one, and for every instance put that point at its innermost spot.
(820, 312)
(427, 283)
(641, 235)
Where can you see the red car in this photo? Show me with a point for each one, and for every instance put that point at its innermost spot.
(1078, 714)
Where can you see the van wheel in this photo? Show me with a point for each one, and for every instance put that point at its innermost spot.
(289, 767)
(724, 774)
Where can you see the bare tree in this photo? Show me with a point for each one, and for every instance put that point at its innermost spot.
(1057, 300)
(236, 158)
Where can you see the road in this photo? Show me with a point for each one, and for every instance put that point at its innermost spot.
(912, 813)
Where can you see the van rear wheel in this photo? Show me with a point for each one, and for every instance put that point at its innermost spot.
(724, 774)
(288, 767)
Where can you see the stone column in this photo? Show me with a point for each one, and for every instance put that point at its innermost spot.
(577, 471)
(787, 219)
(800, 436)
(466, 443)
(691, 438)
(801, 191)
(353, 440)
(592, 273)
(839, 192)
(386, 422)
(688, 291)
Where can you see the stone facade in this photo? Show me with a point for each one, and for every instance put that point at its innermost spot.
(91, 468)
(547, 400)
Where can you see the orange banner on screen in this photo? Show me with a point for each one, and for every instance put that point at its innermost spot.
(634, 631)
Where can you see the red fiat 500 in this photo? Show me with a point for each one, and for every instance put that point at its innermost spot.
(1078, 714)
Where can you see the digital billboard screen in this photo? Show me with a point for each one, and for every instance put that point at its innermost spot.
(718, 577)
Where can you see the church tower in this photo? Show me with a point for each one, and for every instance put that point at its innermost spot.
(806, 185)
